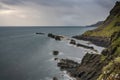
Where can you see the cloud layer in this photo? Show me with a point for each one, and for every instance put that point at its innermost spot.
(53, 12)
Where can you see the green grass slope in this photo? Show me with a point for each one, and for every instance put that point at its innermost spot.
(109, 26)
(111, 55)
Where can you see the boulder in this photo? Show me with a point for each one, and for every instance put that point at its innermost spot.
(51, 35)
(73, 42)
(55, 53)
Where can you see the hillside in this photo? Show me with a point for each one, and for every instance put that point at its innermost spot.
(109, 26)
(104, 32)
(104, 66)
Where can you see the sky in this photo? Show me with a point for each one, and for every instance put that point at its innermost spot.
(53, 12)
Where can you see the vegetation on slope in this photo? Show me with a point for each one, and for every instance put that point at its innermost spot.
(109, 26)
(110, 29)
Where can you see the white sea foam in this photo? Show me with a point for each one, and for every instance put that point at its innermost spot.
(76, 59)
(67, 77)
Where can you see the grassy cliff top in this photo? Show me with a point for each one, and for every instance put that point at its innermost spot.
(109, 26)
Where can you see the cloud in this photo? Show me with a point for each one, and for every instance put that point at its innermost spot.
(53, 12)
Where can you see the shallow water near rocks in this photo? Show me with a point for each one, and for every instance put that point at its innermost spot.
(27, 56)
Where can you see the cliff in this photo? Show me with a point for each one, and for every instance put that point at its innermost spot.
(107, 65)
(104, 66)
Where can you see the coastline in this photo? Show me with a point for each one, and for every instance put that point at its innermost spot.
(70, 65)
(104, 66)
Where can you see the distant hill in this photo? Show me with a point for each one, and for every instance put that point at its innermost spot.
(96, 24)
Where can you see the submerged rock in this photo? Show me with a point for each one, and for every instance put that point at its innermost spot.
(89, 69)
(40, 33)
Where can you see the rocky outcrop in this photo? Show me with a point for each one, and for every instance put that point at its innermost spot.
(84, 46)
(99, 41)
(56, 37)
(105, 66)
(68, 65)
(72, 42)
(55, 53)
(89, 69)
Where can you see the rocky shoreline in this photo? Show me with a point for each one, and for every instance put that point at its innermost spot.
(89, 68)
(75, 69)
(104, 66)
(99, 41)
(71, 41)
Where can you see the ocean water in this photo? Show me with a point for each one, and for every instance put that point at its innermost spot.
(27, 56)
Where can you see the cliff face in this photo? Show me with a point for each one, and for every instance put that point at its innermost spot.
(89, 68)
(107, 65)
(104, 66)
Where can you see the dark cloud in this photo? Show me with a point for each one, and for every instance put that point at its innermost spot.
(61, 12)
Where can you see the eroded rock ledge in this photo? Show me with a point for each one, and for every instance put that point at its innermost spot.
(89, 69)
(99, 41)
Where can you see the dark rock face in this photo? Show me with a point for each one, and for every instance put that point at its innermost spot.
(111, 50)
(99, 41)
(68, 65)
(89, 69)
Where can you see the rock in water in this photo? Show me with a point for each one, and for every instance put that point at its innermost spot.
(55, 53)
(58, 38)
(73, 42)
(40, 33)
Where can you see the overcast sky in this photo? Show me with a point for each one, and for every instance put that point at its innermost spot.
(53, 12)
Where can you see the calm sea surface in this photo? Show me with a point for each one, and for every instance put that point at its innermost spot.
(27, 56)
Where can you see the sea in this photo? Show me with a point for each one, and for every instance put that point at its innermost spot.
(25, 55)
